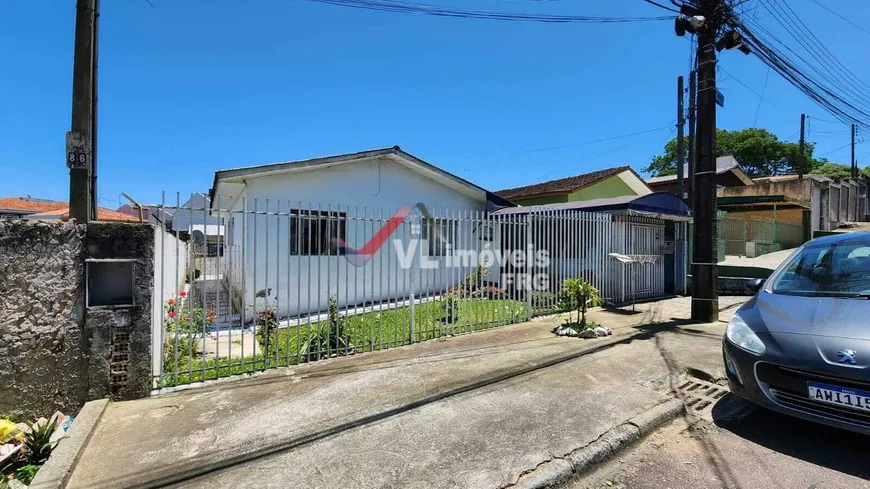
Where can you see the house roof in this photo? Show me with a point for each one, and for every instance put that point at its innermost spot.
(103, 214)
(723, 164)
(395, 153)
(562, 185)
(29, 205)
(663, 205)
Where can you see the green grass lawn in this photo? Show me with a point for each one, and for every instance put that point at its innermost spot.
(374, 330)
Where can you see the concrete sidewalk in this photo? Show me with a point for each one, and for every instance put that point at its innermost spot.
(473, 411)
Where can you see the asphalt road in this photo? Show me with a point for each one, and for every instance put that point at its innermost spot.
(737, 445)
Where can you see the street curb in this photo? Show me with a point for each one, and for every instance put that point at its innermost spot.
(562, 469)
(57, 469)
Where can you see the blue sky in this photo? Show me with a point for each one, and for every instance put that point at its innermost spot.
(193, 86)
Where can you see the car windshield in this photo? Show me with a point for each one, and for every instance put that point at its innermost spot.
(836, 270)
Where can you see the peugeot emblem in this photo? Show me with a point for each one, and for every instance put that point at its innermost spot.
(848, 356)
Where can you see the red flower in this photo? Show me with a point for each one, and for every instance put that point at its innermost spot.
(182, 293)
(170, 301)
(171, 314)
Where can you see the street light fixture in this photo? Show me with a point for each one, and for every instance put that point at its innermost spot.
(690, 24)
(730, 41)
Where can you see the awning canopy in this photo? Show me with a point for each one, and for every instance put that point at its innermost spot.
(660, 205)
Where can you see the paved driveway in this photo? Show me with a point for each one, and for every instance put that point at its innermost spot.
(472, 411)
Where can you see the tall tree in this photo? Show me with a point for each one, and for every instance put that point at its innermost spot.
(838, 170)
(758, 151)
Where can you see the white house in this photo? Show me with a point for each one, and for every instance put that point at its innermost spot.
(286, 222)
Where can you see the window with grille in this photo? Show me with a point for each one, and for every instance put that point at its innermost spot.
(439, 236)
(313, 232)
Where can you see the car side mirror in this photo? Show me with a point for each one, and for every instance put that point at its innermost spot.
(755, 284)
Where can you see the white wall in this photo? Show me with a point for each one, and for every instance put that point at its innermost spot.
(168, 280)
(305, 283)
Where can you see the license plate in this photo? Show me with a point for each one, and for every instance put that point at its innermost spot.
(840, 396)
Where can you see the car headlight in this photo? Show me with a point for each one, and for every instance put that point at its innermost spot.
(742, 336)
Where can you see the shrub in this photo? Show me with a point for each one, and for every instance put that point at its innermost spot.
(474, 279)
(37, 441)
(182, 326)
(26, 473)
(318, 341)
(566, 301)
(450, 307)
(584, 295)
(489, 292)
(267, 325)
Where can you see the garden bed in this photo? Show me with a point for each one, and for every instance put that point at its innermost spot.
(374, 330)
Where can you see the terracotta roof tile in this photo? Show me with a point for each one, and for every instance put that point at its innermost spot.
(103, 214)
(562, 185)
(27, 204)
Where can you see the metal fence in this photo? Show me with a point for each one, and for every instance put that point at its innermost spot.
(295, 283)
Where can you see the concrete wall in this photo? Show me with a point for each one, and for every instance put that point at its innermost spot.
(42, 366)
(789, 216)
(800, 190)
(55, 352)
(170, 258)
(119, 337)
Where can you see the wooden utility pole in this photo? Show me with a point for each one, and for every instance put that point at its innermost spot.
(79, 141)
(681, 148)
(690, 183)
(802, 146)
(705, 270)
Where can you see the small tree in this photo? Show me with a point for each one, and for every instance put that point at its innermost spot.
(583, 294)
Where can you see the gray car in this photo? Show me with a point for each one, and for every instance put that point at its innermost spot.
(801, 345)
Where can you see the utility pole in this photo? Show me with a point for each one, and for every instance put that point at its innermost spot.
(802, 146)
(705, 270)
(854, 163)
(79, 141)
(681, 148)
(690, 184)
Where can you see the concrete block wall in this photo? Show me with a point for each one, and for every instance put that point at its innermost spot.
(42, 308)
(55, 353)
(119, 337)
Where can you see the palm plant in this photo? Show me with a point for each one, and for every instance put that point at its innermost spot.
(583, 295)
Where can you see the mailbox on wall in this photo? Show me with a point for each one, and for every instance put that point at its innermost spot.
(110, 282)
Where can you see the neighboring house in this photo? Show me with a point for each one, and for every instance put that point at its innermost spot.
(103, 214)
(653, 226)
(153, 213)
(729, 173)
(827, 202)
(601, 184)
(282, 221)
(20, 207)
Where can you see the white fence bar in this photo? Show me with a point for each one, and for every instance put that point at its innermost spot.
(248, 283)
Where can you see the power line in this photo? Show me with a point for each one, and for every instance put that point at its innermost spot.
(651, 2)
(835, 149)
(441, 11)
(573, 145)
(760, 95)
(840, 16)
(818, 90)
(761, 98)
